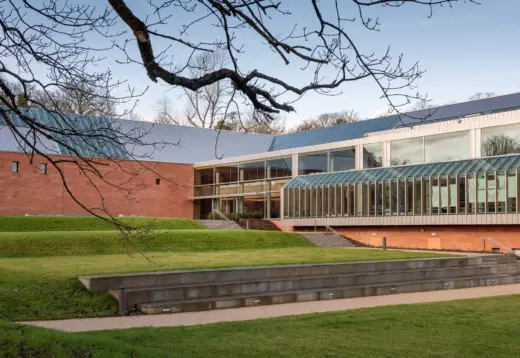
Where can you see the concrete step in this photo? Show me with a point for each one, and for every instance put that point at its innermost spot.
(216, 290)
(101, 283)
(327, 239)
(269, 298)
(220, 224)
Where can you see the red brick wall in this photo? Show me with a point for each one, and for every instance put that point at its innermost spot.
(30, 192)
(466, 238)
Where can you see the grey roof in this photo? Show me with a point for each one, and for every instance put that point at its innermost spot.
(469, 166)
(358, 130)
(181, 144)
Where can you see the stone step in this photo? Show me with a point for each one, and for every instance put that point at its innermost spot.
(100, 283)
(220, 224)
(152, 294)
(247, 300)
(327, 239)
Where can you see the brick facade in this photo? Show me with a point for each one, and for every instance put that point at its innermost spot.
(31, 192)
(465, 238)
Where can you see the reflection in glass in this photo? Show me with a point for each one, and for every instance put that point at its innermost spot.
(373, 155)
(407, 151)
(446, 147)
(500, 140)
(501, 192)
(279, 168)
(342, 160)
(312, 163)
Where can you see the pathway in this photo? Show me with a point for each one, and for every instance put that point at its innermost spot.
(252, 313)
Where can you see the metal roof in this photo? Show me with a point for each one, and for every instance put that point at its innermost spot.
(470, 166)
(358, 130)
(125, 139)
(180, 144)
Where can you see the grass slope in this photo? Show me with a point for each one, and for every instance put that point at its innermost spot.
(59, 243)
(469, 328)
(48, 288)
(89, 223)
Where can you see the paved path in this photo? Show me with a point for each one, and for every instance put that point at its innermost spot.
(251, 313)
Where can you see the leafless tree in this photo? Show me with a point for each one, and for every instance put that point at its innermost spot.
(59, 45)
(500, 144)
(327, 120)
(207, 105)
(164, 112)
(482, 95)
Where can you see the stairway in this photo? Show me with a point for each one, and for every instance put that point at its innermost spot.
(220, 224)
(202, 290)
(325, 239)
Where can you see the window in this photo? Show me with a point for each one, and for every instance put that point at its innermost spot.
(511, 191)
(157, 181)
(491, 186)
(394, 202)
(345, 200)
(43, 168)
(252, 171)
(407, 151)
(342, 160)
(418, 196)
(481, 193)
(205, 176)
(286, 203)
(226, 174)
(373, 155)
(440, 148)
(435, 190)
(501, 192)
(312, 163)
(15, 167)
(500, 140)
(319, 201)
(279, 168)
(462, 195)
(472, 194)
(426, 194)
(409, 197)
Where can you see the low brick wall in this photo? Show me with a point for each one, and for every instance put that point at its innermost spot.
(454, 238)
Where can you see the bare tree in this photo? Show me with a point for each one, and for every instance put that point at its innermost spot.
(207, 105)
(500, 144)
(55, 45)
(164, 112)
(327, 120)
(482, 95)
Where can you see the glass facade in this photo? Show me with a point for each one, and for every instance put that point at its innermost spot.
(500, 140)
(440, 148)
(251, 188)
(373, 155)
(407, 151)
(429, 189)
(341, 160)
(312, 163)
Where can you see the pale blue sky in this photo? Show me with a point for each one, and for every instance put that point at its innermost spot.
(465, 49)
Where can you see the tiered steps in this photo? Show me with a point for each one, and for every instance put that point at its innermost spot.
(220, 224)
(187, 291)
(325, 239)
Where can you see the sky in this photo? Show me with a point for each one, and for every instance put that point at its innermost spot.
(464, 49)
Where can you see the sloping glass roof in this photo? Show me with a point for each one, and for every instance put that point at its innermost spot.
(483, 165)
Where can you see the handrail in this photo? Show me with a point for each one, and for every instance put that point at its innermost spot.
(505, 247)
(332, 230)
(222, 216)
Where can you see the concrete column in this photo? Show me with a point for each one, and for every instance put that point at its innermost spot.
(476, 143)
(359, 156)
(294, 165)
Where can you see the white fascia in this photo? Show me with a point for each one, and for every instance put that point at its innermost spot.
(450, 126)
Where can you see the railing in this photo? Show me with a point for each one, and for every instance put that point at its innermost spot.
(503, 246)
(222, 216)
(332, 230)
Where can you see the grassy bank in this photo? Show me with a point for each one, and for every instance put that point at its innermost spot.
(470, 328)
(59, 243)
(48, 288)
(89, 223)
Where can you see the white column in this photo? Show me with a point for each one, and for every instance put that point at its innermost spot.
(386, 154)
(358, 156)
(476, 143)
(294, 165)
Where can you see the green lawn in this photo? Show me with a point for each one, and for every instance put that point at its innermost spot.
(89, 223)
(470, 328)
(47, 287)
(59, 243)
